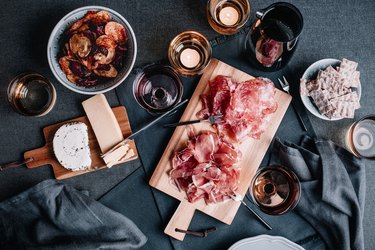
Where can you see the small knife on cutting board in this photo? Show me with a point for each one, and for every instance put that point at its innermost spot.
(121, 150)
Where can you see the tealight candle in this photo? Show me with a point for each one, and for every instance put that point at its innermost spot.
(228, 16)
(189, 53)
(190, 58)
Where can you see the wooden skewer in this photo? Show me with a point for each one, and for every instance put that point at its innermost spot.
(202, 234)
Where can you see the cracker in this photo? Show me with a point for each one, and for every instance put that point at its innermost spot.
(355, 81)
(331, 71)
(312, 85)
(322, 102)
(332, 91)
(351, 97)
(347, 65)
(346, 70)
(343, 109)
(303, 88)
(324, 79)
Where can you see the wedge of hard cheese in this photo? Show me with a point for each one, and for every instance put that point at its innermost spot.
(103, 122)
(107, 131)
(119, 153)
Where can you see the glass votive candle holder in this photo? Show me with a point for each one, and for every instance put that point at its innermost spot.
(189, 53)
(360, 138)
(275, 189)
(227, 16)
(31, 94)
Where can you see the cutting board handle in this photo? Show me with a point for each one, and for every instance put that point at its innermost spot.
(41, 156)
(181, 219)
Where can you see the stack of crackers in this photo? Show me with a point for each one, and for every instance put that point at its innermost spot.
(334, 90)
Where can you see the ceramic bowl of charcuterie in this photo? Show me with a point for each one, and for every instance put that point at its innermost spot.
(92, 50)
(330, 89)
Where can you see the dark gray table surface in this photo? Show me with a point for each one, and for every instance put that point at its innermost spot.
(333, 29)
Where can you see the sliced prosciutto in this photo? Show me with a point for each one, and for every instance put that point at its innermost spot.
(206, 168)
(245, 106)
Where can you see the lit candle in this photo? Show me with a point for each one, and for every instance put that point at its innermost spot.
(190, 58)
(228, 16)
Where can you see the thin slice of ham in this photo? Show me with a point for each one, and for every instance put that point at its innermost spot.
(245, 106)
(205, 144)
(206, 167)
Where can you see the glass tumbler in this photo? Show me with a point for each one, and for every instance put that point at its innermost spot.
(360, 138)
(275, 189)
(31, 94)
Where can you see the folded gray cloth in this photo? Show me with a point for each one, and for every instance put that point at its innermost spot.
(333, 186)
(52, 215)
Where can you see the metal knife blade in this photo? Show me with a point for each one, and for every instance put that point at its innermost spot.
(130, 137)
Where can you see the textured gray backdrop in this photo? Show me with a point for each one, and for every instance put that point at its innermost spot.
(333, 29)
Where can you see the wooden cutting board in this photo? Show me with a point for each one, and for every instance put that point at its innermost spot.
(253, 152)
(45, 155)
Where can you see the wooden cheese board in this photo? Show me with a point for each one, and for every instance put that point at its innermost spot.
(45, 155)
(253, 152)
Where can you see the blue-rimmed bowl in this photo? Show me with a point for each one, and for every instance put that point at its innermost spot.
(54, 49)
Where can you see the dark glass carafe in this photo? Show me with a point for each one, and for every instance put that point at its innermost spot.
(273, 38)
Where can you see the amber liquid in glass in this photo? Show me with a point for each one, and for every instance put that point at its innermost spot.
(31, 94)
(275, 190)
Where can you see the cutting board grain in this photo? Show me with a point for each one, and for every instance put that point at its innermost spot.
(45, 156)
(253, 152)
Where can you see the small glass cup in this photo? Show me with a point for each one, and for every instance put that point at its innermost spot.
(157, 88)
(227, 17)
(189, 53)
(275, 189)
(360, 138)
(31, 94)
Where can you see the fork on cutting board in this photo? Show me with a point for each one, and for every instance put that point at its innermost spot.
(213, 119)
(285, 86)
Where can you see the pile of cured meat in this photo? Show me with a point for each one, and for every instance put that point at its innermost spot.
(207, 166)
(245, 106)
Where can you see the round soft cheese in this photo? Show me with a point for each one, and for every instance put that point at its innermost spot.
(71, 146)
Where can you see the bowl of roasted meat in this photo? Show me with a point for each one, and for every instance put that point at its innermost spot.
(92, 50)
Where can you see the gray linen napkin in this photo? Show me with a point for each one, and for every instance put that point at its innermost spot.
(52, 215)
(333, 189)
